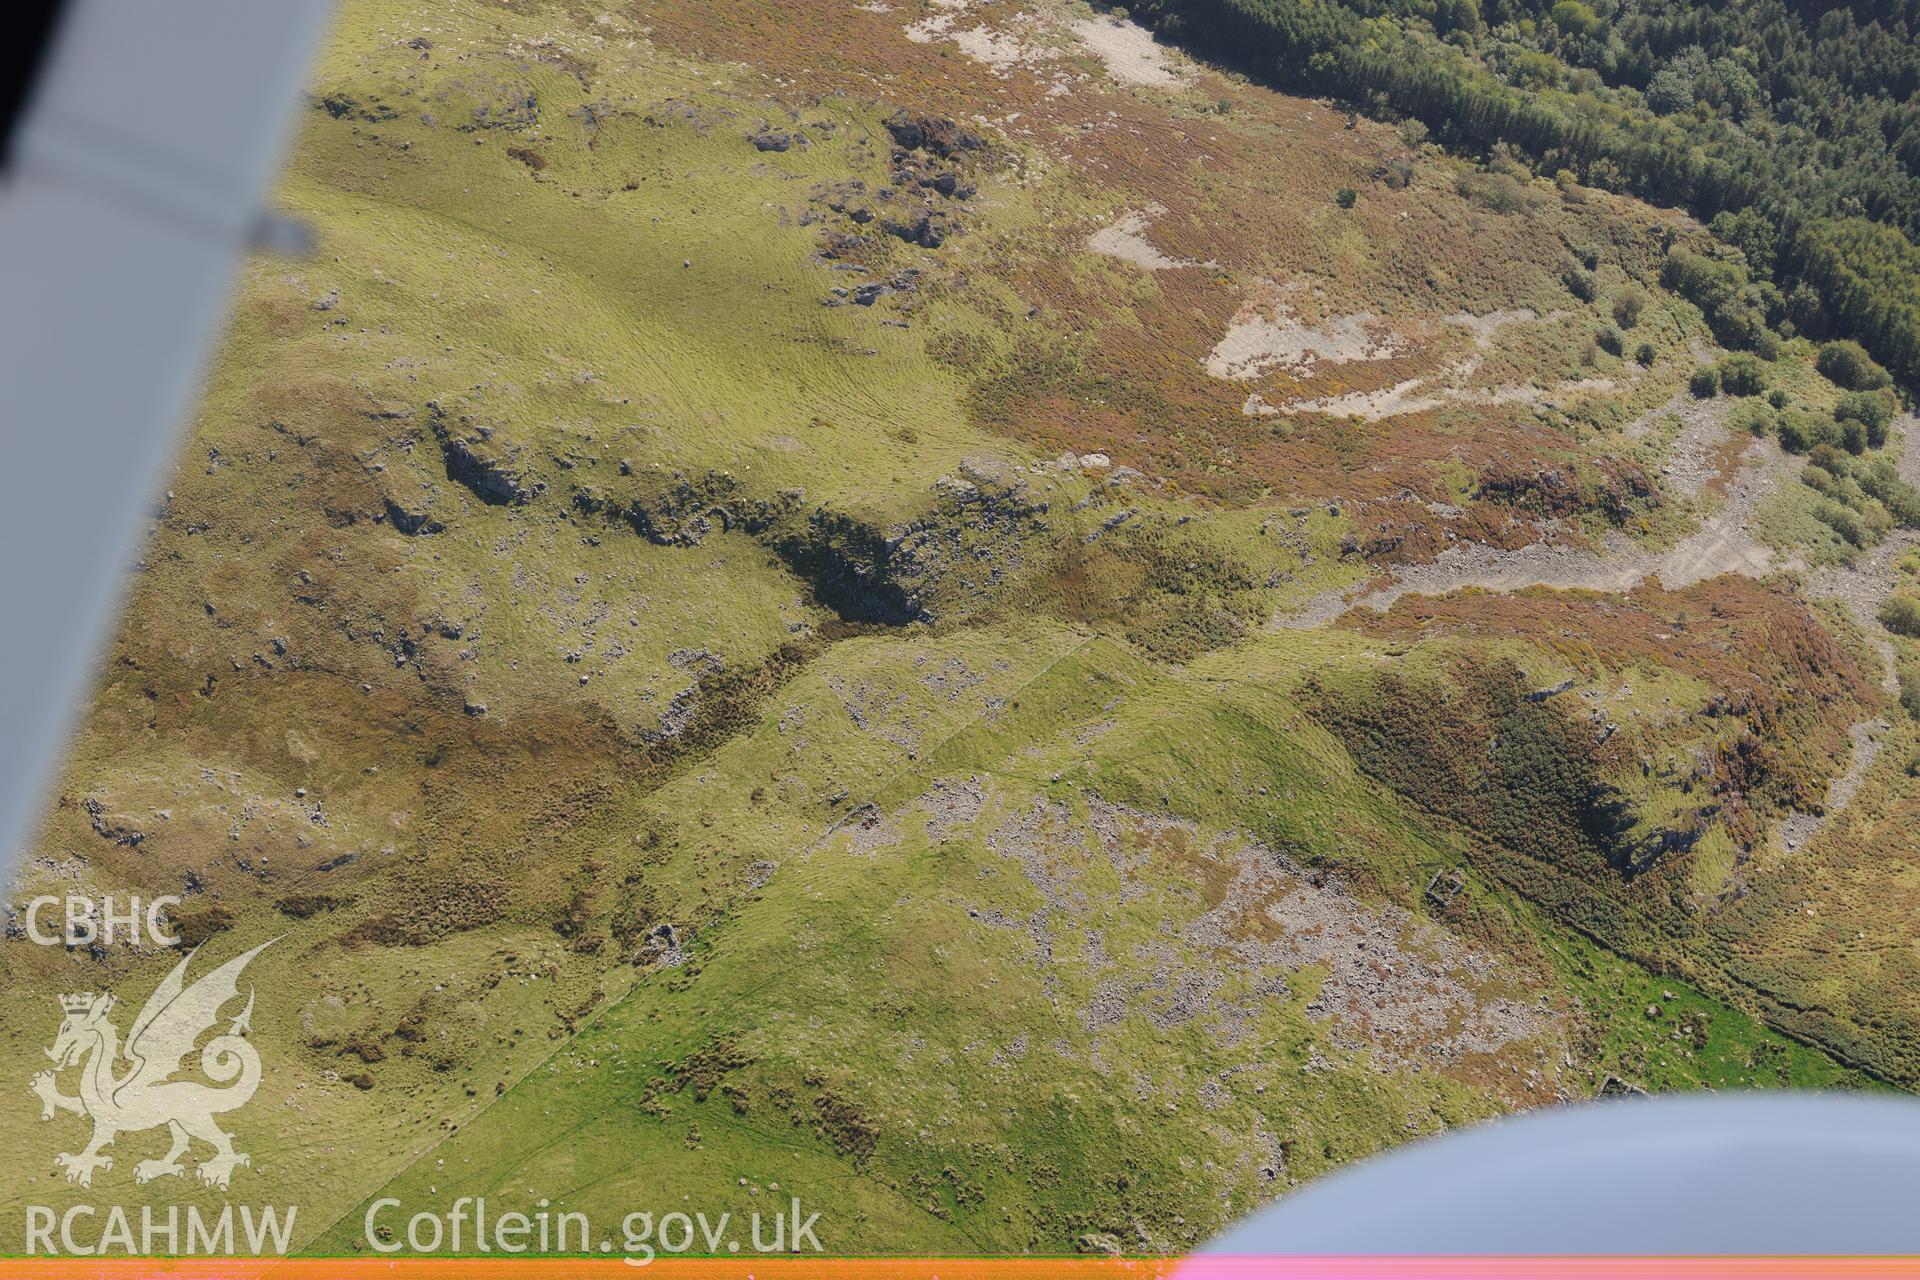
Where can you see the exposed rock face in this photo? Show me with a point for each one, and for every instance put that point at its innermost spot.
(917, 131)
(969, 543)
(926, 188)
(117, 827)
(410, 518)
(976, 539)
(1683, 831)
(484, 460)
(928, 228)
(680, 511)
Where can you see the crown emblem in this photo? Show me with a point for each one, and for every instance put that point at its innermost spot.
(78, 1001)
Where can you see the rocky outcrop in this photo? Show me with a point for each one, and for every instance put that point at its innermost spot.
(940, 135)
(980, 535)
(922, 183)
(1617, 488)
(770, 139)
(850, 565)
(678, 510)
(412, 519)
(484, 459)
(117, 827)
(344, 106)
(1633, 856)
(926, 227)
(923, 199)
(972, 540)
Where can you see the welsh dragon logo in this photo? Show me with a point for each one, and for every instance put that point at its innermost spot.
(145, 1095)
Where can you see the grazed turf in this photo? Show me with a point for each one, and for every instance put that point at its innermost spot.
(692, 731)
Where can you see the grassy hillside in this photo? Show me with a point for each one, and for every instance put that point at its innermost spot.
(910, 606)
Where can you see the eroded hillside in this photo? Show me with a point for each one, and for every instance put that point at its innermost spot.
(941, 608)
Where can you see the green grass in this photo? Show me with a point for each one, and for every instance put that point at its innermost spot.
(1013, 931)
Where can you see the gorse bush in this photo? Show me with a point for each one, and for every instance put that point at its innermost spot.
(1846, 363)
(1853, 435)
(1802, 429)
(1910, 702)
(1881, 480)
(1870, 492)
(1742, 375)
(1843, 521)
(1753, 417)
(1873, 410)
(1900, 614)
(1735, 308)
(1503, 193)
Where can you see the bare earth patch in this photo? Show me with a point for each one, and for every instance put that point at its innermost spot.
(1388, 402)
(1407, 397)
(1487, 327)
(1126, 239)
(1128, 50)
(1691, 461)
(1269, 335)
(1000, 50)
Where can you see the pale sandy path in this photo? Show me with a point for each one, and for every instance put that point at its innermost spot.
(1724, 543)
